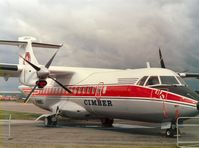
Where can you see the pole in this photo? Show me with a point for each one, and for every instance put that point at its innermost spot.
(9, 130)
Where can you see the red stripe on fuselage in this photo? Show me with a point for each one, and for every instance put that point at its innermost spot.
(121, 91)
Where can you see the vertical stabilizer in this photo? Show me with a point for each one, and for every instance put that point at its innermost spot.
(29, 76)
(26, 50)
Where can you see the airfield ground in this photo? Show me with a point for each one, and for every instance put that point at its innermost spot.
(85, 133)
(75, 134)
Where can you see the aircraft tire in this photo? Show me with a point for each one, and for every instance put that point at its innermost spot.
(47, 122)
(53, 121)
(169, 133)
(107, 122)
(50, 121)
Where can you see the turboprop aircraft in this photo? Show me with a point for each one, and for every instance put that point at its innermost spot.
(147, 94)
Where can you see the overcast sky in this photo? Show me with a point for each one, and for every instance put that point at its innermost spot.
(105, 33)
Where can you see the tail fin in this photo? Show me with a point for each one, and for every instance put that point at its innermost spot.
(26, 51)
(28, 74)
(26, 43)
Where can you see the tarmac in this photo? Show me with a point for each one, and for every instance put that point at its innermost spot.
(85, 132)
(69, 131)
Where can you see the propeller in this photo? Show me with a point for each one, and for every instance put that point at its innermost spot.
(43, 73)
(29, 95)
(161, 59)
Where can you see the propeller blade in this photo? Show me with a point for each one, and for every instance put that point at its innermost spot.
(61, 85)
(161, 59)
(33, 66)
(29, 95)
(50, 61)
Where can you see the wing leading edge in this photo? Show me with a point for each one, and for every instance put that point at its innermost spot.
(10, 70)
(189, 75)
(14, 70)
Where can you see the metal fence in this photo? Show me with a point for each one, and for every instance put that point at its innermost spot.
(5, 127)
(188, 132)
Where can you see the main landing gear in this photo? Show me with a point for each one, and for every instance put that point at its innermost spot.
(172, 131)
(106, 122)
(50, 121)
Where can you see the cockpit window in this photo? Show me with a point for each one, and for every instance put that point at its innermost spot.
(182, 81)
(142, 81)
(168, 80)
(180, 90)
(153, 80)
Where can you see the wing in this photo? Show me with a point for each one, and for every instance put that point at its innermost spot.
(14, 70)
(189, 75)
(10, 70)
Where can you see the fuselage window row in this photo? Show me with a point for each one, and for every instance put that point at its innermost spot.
(75, 90)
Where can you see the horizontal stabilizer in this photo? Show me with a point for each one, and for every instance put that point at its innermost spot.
(12, 43)
(34, 44)
(44, 45)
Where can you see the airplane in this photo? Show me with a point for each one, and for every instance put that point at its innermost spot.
(157, 95)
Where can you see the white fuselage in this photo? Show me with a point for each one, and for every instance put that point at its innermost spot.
(109, 93)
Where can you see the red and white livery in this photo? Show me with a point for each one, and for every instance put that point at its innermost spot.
(147, 94)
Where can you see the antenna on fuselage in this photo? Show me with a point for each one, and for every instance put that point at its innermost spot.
(148, 64)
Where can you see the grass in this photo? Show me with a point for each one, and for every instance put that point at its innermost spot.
(18, 115)
(81, 146)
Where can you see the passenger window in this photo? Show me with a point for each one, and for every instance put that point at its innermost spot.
(93, 90)
(88, 90)
(142, 81)
(84, 90)
(79, 90)
(153, 80)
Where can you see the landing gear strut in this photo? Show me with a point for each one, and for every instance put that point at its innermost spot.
(50, 121)
(106, 122)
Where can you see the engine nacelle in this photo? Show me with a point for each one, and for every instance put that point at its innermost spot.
(71, 109)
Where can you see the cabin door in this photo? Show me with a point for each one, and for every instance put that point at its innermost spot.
(160, 94)
(99, 89)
